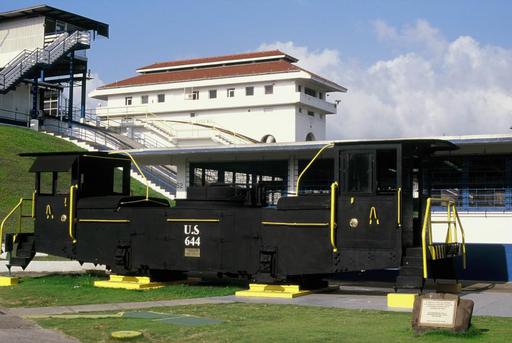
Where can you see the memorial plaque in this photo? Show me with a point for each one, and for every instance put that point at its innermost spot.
(438, 312)
(441, 311)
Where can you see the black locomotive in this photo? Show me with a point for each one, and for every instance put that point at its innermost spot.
(373, 217)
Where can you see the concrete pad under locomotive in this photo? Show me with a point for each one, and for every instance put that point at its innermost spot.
(369, 216)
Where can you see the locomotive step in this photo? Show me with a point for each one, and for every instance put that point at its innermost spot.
(411, 271)
(19, 262)
(412, 261)
(410, 282)
(414, 252)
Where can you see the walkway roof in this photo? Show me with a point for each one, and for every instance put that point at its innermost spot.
(57, 14)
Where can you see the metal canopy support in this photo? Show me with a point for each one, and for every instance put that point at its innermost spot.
(71, 82)
(83, 94)
(35, 92)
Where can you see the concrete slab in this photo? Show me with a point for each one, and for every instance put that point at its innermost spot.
(38, 311)
(14, 329)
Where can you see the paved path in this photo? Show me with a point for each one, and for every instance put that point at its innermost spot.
(51, 267)
(14, 329)
(487, 303)
(41, 311)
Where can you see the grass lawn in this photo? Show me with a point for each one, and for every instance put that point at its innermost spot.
(77, 289)
(278, 323)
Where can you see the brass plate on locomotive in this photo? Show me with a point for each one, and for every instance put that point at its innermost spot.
(192, 252)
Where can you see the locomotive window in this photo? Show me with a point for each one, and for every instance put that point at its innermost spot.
(211, 176)
(198, 177)
(118, 181)
(228, 177)
(359, 176)
(63, 182)
(386, 171)
(46, 183)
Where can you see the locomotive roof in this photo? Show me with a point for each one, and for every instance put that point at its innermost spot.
(62, 161)
(270, 150)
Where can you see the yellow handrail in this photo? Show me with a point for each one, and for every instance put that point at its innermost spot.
(333, 225)
(399, 207)
(327, 146)
(294, 224)
(462, 237)
(18, 205)
(71, 212)
(424, 238)
(34, 203)
(452, 220)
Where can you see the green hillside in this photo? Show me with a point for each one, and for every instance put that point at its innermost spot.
(15, 180)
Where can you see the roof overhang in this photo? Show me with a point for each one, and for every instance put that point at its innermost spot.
(51, 12)
(262, 151)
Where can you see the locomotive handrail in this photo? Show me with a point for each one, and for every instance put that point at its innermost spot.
(294, 224)
(452, 220)
(327, 146)
(204, 220)
(333, 225)
(100, 220)
(71, 212)
(33, 213)
(18, 205)
(399, 207)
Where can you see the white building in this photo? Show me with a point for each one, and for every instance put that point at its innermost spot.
(42, 51)
(256, 97)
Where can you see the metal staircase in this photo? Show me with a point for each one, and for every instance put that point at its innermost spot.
(434, 259)
(27, 60)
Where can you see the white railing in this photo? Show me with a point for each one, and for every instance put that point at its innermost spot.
(317, 103)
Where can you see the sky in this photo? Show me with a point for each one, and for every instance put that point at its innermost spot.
(412, 68)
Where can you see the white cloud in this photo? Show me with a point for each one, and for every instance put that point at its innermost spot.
(433, 86)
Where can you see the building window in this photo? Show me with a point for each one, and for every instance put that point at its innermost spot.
(311, 113)
(128, 101)
(195, 95)
(320, 95)
(231, 92)
(249, 91)
(144, 99)
(60, 26)
(213, 93)
(51, 103)
(161, 97)
(299, 88)
(269, 89)
(300, 109)
(192, 115)
(310, 91)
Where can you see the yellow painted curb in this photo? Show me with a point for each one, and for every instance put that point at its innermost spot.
(273, 291)
(129, 282)
(401, 300)
(6, 281)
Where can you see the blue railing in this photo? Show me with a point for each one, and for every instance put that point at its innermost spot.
(477, 199)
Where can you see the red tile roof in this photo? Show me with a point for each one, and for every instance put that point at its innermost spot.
(207, 73)
(224, 58)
